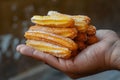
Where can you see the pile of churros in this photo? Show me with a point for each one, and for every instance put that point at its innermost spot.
(61, 35)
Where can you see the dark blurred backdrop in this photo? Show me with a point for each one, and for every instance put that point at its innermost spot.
(15, 19)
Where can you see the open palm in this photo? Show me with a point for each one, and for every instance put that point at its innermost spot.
(93, 59)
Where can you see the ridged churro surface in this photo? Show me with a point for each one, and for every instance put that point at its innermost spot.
(65, 32)
(53, 21)
(49, 48)
(81, 21)
(51, 38)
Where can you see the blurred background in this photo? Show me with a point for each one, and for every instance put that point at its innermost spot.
(15, 20)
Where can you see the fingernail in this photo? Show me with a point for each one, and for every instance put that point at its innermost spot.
(19, 47)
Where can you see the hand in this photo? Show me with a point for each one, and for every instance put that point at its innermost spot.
(93, 59)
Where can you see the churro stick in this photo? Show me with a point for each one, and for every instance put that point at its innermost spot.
(91, 30)
(65, 32)
(49, 48)
(60, 34)
(81, 45)
(92, 39)
(53, 21)
(81, 37)
(81, 22)
(51, 38)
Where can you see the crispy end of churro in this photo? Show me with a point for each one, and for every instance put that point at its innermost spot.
(81, 45)
(49, 48)
(81, 37)
(91, 30)
(65, 32)
(81, 22)
(92, 39)
(82, 27)
(53, 21)
(51, 38)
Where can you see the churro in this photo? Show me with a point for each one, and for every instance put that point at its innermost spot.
(51, 38)
(49, 48)
(53, 21)
(61, 35)
(65, 32)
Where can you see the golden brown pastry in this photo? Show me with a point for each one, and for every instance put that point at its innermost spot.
(65, 32)
(81, 37)
(81, 22)
(81, 45)
(91, 30)
(92, 39)
(49, 48)
(51, 38)
(53, 21)
(61, 35)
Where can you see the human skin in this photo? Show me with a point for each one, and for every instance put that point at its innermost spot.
(101, 56)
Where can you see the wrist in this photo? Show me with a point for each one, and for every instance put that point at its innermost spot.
(115, 55)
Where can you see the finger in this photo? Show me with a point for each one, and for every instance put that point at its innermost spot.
(67, 65)
(47, 58)
(19, 46)
(100, 34)
(106, 34)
